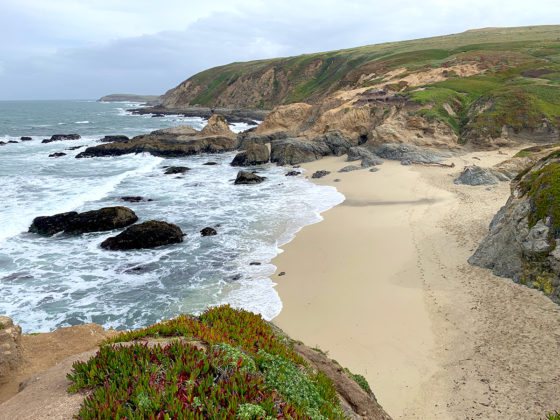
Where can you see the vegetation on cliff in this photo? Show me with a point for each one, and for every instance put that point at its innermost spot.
(226, 364)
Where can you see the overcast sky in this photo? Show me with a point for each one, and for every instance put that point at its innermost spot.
(66, 49)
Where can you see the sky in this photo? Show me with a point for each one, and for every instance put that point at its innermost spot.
(84, 49)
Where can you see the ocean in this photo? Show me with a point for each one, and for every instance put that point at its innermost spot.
(64, 280)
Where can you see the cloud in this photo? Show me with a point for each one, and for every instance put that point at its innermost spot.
(91, 48)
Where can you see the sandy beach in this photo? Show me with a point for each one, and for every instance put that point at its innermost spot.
(382, 283)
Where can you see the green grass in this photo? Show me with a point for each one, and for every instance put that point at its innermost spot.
(226, 364)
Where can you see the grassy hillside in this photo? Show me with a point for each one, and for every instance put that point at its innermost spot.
(524, 61)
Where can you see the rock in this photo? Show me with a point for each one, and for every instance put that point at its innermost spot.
(132, 198)
(524, 235)
(208, 231)
(57, 154)
(115, 138)
(244, 177)
(176, 170)
(149, 234)
(210, 163)
(337, 180)
(13, 142)
(254, 263)
(368, 158)
(10, 347)
(350, 168)
(406, 162)
(281, 273)
(59, 137)
(104, 219)
(475, 175)
(320, 174)
(374, 169)
(293, 173)
(217, 126)
(292, 151)
(164, 146)
(407, 152)
(256, 154)
(25, 138)
(74, 147)
(2, 143)
(336, 142)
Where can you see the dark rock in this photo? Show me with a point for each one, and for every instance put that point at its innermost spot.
(25, 138)
(74, 147)
(254, 263)
(59, 137)
(350, 168)
(281, 273)
(337, 180)
(293, 173)
(132, 198)
(2, 143)
(320, 174)
(149, 234)
(107, 218)
(256, 154)
(13, 142)
(176, 170)
(117, 138)
(406, 162)
(57, 154)
(164, 145)
(208, 231)
(475, 175)
(368, 158)
(292, 151)
(374, 169)
(248, 178)
(336, 142)
(210, 163)
(248, 138)
(407, 152)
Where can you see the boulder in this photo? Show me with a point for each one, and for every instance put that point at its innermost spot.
(294, 151)
(10, 347)
(217, 126)
(475, 175)
(368, 158)
(176, 170)
(407, 152)
(336, 142)
(210, 163)
(350, 168)
(57, 154)
(117, 138)
(25, 138)
(256, 154)
(133, 198)
(320, 174)
(60, 137)
(104, 219)
(149, 234)
(208, 231)
(293, 173)
(244, 177)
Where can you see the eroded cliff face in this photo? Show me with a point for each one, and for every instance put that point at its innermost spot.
(523, 242)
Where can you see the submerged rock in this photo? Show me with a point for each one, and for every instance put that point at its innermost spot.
(149, 234)
(133, 198)
(293, 173)
(475, 175)
(107, 218)
(244, 177)
(57, 154)
(256, 154)
(208, 231)
(25, 138)
(210, 163)
(176, 170)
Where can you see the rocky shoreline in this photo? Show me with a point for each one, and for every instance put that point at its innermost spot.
(233, 115)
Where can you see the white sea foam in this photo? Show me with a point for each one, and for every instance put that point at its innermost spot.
(81, 122)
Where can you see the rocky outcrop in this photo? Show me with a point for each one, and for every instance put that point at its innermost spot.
(10, 347)
(407, 152)
(256, 154)
(367, 157)
(295, 151)
(217, 126)
(475, 175)
(149, 234)
(288, 118)
(60, 137)
(110, 139)
(104, 219)
(523, 242)
(244, 177)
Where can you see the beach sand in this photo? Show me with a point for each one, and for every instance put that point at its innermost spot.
(383, 285)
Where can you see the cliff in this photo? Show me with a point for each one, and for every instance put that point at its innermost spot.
(478, 87)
